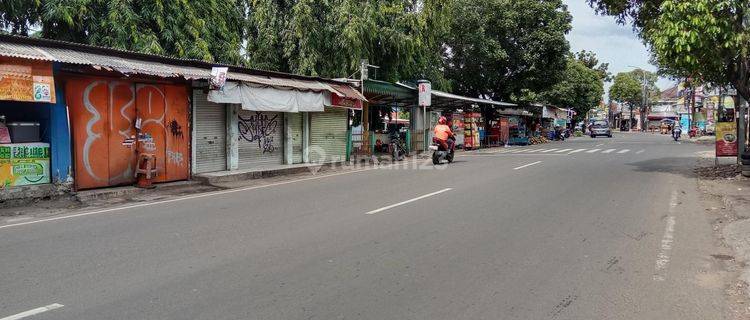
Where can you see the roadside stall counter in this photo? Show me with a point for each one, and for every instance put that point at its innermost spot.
(23, 164)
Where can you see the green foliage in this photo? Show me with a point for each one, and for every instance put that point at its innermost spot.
(208, 30)
(707, 40)
(329, 37)
(626, 89)
(506, 49)
(581, 87)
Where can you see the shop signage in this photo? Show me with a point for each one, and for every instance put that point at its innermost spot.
(726, 139)
(24, 164)
(24, 80)
(218, 77)
(345, 102)
(425, 93)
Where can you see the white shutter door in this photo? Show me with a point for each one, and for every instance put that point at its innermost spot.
(295, 121)
(261, 142)
(328, 135)
(210, 134)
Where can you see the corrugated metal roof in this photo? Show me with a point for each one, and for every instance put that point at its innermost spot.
(107, 62)
(305, 85)
(119, 64)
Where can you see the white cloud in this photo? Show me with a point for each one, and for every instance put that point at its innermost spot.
(613, 43)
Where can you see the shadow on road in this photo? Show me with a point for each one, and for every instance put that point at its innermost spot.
(684, 166)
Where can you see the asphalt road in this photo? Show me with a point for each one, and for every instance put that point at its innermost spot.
(520, 233)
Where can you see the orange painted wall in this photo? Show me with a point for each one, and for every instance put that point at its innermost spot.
(103, 115)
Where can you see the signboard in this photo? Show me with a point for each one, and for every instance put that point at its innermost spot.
(24, 164)
(218, 77)
(25, 80)
(726, 139)
(425, 93)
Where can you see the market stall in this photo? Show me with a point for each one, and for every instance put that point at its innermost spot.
(27, 100)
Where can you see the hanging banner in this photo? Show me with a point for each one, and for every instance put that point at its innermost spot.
(24, 164)
(726, 139)
(218, 77)
(25, 80)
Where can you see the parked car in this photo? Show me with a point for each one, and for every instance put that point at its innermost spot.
(600, 128)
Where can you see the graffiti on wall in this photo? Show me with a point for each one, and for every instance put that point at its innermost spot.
(259, 128)
(103, 117)
(175, 128)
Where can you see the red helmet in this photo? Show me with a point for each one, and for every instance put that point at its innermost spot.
(442, 120)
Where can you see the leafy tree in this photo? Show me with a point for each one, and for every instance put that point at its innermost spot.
(701, 39)
(628, 88)
(582, 88)
(589, 59)
(506, 49)
(329, 37)
(209, 30)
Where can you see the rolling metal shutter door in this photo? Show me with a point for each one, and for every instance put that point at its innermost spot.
(210, 134)
(261, 142)
(328, 135)
(295, 121)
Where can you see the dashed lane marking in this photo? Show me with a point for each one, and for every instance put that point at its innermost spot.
(623, 151)
(577, 151)
(527, 165)
(33, 312)
(593, 150)
(406, 202)
(667, 241)
(608, 150)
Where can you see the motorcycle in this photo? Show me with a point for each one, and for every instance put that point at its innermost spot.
(398, 148)
(693, 132)
(676, 132)
(439, 152)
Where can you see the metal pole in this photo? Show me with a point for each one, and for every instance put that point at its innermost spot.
(424, 130)
(742, 130)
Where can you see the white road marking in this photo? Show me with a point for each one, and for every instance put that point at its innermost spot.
(527, 165)
(518, 151)
(577, 151)
(406, 202)
(592, 150)
(197, 196)
(662, 260)
(33, 312)
(640, 151)
(549, 150)
(563, 150)
(599, 145)
(623, 151)
(608, 150)
(535, 150)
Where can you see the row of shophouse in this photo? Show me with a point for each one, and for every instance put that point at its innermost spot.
(77, 117)
(701, 106)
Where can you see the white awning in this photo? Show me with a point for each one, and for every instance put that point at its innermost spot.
(263, 98)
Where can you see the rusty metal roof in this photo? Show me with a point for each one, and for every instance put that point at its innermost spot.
(129, 62)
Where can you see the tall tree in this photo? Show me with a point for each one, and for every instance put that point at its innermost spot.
(504, 49)
(702, 39)
(209, 30)
(628, 87)
(582, 87)
(329, 37)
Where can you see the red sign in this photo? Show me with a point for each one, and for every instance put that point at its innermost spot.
(726, 139)
(344, 102)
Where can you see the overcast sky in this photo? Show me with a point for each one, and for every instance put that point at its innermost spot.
(615, 44)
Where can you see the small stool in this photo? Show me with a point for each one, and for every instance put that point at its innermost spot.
(145, 170)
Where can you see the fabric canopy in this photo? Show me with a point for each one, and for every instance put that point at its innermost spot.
(260, 98)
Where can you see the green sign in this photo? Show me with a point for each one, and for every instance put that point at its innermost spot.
(24, 164)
